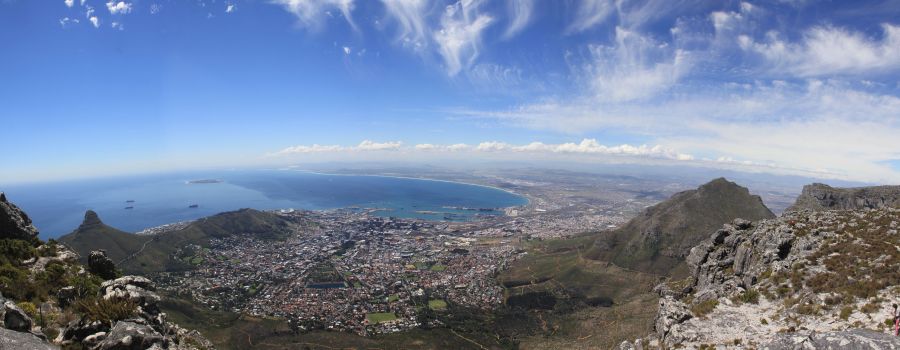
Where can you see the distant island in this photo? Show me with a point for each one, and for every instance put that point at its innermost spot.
(204, 181)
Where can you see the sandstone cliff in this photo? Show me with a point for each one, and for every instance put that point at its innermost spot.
(823, 197)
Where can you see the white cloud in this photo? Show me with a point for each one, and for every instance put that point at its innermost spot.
(635, 67)
(95, 21)
(347, 50)
(520, 13)
(120, 7)
(230, 8)
(459, 38)
(820, 128)
(312, 12)
(591, 13)
(585, 147)
(70, 3)
(117, 25)
(66, 21)
(366, 145)
(410, 17)
(830, 50)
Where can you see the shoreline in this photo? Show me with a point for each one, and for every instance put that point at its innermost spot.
(527, 200)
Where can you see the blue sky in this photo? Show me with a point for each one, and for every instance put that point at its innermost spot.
(105, 87)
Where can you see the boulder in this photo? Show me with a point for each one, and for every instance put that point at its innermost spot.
(101, 265)
(78, 330)
(15, 319)
(14, 223)
(135, 288)
(22, 341)
(127, 335)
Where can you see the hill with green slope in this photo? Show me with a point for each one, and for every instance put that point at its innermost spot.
(93, 234)
(659, 238)
(154, 253)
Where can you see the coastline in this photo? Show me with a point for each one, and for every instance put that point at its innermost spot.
(527, 200)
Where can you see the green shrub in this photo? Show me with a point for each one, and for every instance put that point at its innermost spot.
(99, 309)
(29, 308)
(14, 251)
(750, 296)
(703, 308)
(846, 311)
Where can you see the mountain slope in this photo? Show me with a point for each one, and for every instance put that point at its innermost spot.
(823, 197)
(93, 234)
(154, 253)
(659, 238)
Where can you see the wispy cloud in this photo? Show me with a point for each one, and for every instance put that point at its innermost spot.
(828, 50)
(459, 38)
(410, 16)
(591, 13)
(520, 14)
(311, 13)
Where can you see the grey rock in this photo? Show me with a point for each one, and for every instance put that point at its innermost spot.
(132, 336)
(16, 319)
(14, 223)
(823, 197)
(136, 288)
(101, 265)
(671, 312)
(78, 330)
(12, 340)
(854, 339)
(65, 296)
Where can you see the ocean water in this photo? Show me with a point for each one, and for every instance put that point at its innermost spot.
(58, 208)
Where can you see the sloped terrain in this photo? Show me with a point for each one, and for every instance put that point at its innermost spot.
(798, 276)
(93, 234)
(658, 239)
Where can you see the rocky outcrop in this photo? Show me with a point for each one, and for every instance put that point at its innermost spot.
(132, 336)
(148, 328)
(138, 289)
(806, 280)
(13, 340)
(660, 237)
(100, 265)
(14, 223)
(854, 339)
(819, 196)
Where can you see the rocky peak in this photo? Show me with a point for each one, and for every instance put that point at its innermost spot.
(90, 219)
(818, 196)
(659, 238)
(14, 223)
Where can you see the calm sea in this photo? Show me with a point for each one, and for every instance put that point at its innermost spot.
(58, 208)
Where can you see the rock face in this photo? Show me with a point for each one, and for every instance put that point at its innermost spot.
(14, 223)
(131, 336)
(13, 340)
(100, 265)
(806, 280)
(823, 197)
(148, 328)
(661, 236)
(854, 339)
